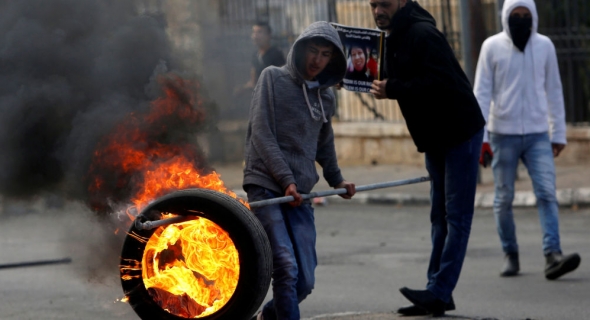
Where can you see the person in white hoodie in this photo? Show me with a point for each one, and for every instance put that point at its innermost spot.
(518, 87)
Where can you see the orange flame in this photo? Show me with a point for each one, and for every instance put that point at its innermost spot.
(191, 269)
(176, 174)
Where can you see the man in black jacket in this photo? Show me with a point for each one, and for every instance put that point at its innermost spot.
(446, 123)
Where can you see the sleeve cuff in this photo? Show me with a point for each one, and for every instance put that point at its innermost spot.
(559, 141)
(558, 136)
(336, 181)
(285, 182)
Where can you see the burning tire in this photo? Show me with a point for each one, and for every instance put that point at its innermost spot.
(225, 218)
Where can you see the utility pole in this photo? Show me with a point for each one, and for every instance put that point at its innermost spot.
(499, 5)
(332, 12)
(466, 39)
(473, 33)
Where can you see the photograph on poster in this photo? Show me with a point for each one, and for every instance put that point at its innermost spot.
(363, 49)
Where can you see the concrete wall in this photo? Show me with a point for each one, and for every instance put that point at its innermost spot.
(577, 150)
(364, 143)
(376, 143)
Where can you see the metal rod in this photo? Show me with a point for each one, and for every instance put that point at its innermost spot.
(326, 193)
(34, 263)
(148, 225)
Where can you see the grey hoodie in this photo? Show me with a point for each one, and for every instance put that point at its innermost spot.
(290, 125)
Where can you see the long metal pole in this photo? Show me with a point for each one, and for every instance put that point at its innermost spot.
(35, 263)
(326, 193)
(148, 225)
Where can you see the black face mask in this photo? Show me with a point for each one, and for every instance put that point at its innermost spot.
(520, 29)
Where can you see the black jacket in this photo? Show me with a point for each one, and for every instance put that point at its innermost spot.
(272, 57)
(424, 76)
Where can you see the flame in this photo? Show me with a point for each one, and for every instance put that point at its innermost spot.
(191, 269)
(149, 155)
(125, 299)
(196, 262)
(177, 174)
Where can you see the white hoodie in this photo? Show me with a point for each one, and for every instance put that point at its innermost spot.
(520, 93)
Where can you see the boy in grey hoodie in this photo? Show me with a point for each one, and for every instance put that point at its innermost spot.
(289, 130)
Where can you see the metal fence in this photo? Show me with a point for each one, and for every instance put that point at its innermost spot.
(566, 22)
(288, 18)
(362, 106)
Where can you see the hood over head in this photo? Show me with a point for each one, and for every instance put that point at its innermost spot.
(510, 5)
(409, 14)
(334, 71)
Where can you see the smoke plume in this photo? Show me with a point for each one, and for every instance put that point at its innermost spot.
(69, 71)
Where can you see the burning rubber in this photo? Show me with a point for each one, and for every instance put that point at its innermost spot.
(213, 263)
(210, 260)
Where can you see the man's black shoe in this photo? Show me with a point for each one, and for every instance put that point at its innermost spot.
(414, 310)
(511, 265)
(558, 265)
(426, 300)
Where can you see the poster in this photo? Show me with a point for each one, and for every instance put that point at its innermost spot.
(363, 49)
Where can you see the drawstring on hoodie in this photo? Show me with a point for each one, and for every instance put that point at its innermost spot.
(309, 104)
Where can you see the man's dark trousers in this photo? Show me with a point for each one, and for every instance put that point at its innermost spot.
(453, 174)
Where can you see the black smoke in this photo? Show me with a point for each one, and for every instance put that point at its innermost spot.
(69, 71)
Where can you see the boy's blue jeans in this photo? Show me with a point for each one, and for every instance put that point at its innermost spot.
(537, 155)
(453, 174)
(292, 235)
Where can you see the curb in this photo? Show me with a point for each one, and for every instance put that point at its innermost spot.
(386, 316)
(522, 199)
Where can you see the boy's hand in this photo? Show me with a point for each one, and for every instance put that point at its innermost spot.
(350, 189)
(292, 191)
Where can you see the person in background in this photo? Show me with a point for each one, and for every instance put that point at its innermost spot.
(265, 55)
(373, 65)
(445, 122)
(289, 130)
(518, 87)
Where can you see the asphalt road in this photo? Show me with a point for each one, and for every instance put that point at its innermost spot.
(366, 253)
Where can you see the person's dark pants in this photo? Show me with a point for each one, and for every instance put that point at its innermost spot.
(292, 235)
(453, 174)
